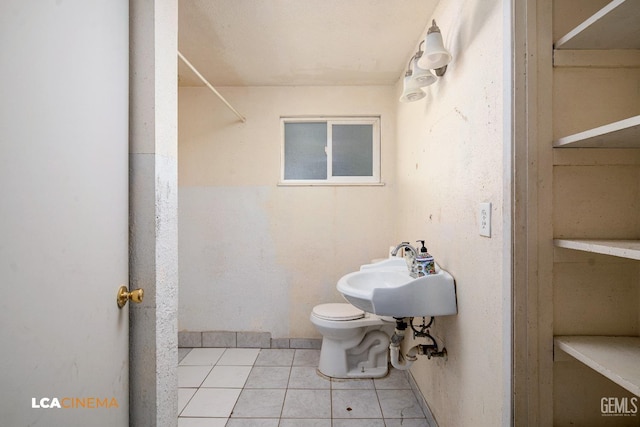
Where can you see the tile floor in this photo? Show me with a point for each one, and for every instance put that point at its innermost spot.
(244, 387)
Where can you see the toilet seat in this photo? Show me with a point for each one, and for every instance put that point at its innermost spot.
(338, 312)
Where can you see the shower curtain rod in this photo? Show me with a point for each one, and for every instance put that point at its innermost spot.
(213, 89)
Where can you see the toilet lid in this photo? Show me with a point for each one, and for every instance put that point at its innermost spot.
(338, 311)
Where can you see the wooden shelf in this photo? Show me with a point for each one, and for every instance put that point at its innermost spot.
(610, 38)
(617, 358)
(622, 134)
(629, 249)
(615, 26)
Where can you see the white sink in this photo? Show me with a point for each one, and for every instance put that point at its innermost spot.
(386, 289)
(391, 263)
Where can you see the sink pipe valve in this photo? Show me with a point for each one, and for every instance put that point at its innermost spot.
(404, 362)
(430, 350)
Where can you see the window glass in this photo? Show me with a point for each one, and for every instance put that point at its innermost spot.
(304, 150)
(352, 150)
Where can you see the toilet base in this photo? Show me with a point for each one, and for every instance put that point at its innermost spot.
(367, 359)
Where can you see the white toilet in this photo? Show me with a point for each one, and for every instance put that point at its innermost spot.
(355, 344)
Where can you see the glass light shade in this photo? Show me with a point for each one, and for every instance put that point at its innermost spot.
(412, 91)
(420, 76)
(435, 55)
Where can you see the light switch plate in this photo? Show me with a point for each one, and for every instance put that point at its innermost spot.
(484, 219)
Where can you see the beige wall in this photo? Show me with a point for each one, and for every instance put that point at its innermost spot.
(450, 159)
(255, 256)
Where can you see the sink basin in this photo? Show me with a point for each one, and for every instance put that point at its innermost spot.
(386, 289)
(391, 263)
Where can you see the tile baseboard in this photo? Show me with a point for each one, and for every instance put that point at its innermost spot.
(242, 339)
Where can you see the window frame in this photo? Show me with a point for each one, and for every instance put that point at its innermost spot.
(374, 179)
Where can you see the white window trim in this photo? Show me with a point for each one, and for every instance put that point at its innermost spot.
(375, 179)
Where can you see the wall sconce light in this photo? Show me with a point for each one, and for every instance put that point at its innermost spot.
(418, 75)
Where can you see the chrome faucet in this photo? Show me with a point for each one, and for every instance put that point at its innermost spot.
(411, 261)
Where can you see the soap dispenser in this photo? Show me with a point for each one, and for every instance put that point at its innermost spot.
(424, 261)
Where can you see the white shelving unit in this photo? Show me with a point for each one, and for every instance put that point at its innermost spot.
(613, 28)
(617, 358)
(629, 249)
(608, 32)
(621, 134)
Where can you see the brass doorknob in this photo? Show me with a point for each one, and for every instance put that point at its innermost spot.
(124, 295)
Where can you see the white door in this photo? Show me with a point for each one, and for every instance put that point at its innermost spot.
(63, 212)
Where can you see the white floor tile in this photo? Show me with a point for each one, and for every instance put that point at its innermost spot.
(396, 380)
(259, 403)
(239, 356)
(255, 422)
(352, 384)
(184, 395)
(247, 387)
(275, 357)
(268, 377)
(404, 422)
(203, 356)
(202, 422)
(307, 377)
(355, 404)
(212, 402)
(182, 352)
(227, 377)
(297, 422)
(307, 404)
(305, 357)
(192, 376)
(362, 422)
(399, 404)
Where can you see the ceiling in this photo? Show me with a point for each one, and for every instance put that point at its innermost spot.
(299, 42)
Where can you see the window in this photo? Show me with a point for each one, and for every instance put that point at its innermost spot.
(330, 150)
